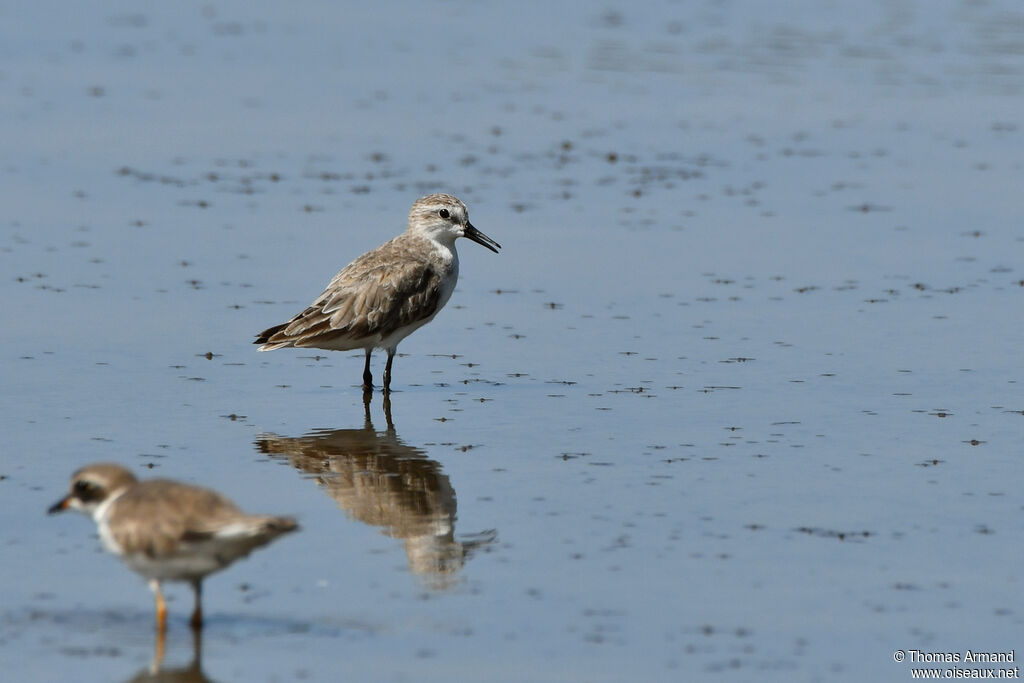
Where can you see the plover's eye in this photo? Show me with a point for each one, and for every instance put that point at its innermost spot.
(87, 492)
(443, 213)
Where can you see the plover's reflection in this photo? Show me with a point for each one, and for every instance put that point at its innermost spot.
(156, 673)
(380, 481)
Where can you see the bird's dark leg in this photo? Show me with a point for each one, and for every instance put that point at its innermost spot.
(387, 412)
(387, 371)
(197, 613)
(197, 654)
(367, 376)
(367, 420)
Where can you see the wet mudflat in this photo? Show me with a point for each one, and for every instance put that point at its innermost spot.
(739, 398)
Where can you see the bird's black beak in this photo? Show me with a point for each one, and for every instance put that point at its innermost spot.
(60, 506)
(480, 238)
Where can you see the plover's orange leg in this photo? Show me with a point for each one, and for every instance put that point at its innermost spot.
(161, 607)
(158, 653)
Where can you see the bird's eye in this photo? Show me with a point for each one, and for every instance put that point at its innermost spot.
(87, 491)
(443, 213)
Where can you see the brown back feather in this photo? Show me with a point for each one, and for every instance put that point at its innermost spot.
(371, 296)
(155, 516)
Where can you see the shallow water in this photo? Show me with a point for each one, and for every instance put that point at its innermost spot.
(739, 398)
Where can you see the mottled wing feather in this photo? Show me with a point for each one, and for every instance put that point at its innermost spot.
(376, 294)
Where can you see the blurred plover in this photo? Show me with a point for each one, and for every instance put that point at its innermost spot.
(166, 530)
(387, 293)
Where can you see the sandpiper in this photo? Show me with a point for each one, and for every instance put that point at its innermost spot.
(166, 530)
(387, 293)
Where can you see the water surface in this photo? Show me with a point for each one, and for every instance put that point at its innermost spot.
(739, 398)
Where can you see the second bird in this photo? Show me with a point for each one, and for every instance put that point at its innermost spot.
(387, 293)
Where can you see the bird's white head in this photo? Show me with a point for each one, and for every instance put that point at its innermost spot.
(92, 485)
(444, 218)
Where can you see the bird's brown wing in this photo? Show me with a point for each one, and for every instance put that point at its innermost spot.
(379, 292)
(155, 517)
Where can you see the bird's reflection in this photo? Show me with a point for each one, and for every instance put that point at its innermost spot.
(156, 673)
(381, 481)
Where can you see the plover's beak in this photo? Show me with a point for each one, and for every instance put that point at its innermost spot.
(60, 506)
(480, 238)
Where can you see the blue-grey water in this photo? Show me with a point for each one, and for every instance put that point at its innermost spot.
(739, 399)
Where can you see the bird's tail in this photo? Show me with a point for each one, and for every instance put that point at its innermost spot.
(264, 338)
(280, 525)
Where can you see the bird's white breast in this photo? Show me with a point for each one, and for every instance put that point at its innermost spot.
(448, 282)
(101, 515)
